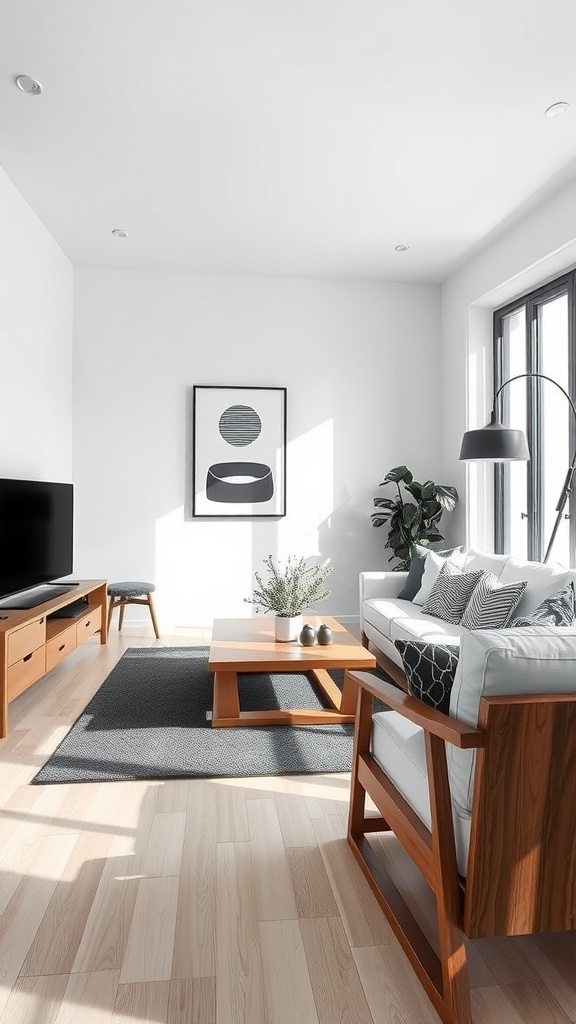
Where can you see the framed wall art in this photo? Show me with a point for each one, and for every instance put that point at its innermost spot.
(238, 451)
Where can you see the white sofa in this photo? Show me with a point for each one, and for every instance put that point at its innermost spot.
(522, 660)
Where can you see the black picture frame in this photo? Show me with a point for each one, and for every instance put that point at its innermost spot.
(238, 451)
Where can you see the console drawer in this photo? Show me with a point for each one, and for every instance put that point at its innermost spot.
(88, 625)
(26, 639)
(60, 647)
(26, 671)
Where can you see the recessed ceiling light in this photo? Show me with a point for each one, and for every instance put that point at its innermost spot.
(120, 232)
(29, 85)
(557, 109)
(402, 247)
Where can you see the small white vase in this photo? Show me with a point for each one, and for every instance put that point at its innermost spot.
(287, 627)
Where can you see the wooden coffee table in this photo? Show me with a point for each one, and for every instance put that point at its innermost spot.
(248, 645)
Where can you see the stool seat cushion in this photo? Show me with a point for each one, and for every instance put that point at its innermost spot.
(130, 589)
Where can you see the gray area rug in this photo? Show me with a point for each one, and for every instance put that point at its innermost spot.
(148, 721)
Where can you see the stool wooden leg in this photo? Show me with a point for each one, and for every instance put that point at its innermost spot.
(121, 616)
(153, 616)
(111, 608)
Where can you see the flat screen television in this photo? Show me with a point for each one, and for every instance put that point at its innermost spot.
(36, 533)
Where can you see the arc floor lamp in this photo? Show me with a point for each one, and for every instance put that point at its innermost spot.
(497, 443)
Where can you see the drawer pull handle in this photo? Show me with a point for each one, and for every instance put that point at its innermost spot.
(62, 646)
(87, 623)
(28, 656)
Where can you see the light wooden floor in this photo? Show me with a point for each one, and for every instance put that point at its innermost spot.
(196, 902)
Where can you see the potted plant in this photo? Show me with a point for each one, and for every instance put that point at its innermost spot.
(412, 520)
(289, 591)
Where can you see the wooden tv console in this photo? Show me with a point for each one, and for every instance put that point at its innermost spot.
(32, 643)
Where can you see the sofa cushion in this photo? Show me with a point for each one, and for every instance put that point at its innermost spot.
(419, 626)
(556, 610)
(429, 670)
(380, 613)
(398, 747)
(543, 580)
(475, 559)
(416, 570)
(535, 659)
(432, 566)
(451, 592)
(492, 604)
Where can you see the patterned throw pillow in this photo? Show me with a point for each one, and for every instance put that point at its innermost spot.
(429, 670)
(451, 593)
(492, 605)
(557, 610)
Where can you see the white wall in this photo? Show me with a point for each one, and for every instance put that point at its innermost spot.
(538, 248)
(36, 288)
(361, 365)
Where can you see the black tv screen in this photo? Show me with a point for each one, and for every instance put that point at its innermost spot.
(36, 533)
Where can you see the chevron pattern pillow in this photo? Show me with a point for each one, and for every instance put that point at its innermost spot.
(492, 605)
(430, 670)
(557, 610)
(451, 593)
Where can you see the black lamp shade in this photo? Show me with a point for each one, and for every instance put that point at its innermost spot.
(494, 443)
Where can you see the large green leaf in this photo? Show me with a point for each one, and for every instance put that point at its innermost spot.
(447, 496)
(385, 503)
(415, 489)
(395, 476)
(428, 491)
(410, 513)
(431, 508)
(379, 520)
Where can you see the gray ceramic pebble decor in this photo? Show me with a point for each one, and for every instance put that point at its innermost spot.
(325, 635)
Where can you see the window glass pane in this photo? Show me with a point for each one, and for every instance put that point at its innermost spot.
(555, 413)
(514, 412)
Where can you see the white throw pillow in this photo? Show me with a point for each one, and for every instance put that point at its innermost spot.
(432, 567)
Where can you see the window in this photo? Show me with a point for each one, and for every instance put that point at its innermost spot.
(537, 334)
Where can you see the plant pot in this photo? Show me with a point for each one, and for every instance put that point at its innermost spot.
(287, 627)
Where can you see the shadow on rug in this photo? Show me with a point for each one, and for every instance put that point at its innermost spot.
(148, 721)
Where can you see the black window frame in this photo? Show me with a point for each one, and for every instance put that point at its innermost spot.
(532, 302)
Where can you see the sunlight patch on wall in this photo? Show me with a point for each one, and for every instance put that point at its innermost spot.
(203, 570)
(309, 491)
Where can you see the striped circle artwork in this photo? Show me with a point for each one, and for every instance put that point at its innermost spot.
(240, 425)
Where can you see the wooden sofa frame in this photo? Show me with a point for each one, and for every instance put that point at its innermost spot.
(521, 875)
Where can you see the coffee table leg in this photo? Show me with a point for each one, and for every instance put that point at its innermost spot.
(349, 695)
(226, 704)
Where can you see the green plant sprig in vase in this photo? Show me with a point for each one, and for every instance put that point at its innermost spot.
(289, 591)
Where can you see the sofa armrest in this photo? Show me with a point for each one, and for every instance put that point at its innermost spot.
(379, 583)
(444, 726)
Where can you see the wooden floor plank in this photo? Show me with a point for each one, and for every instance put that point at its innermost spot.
(335, 981)
(239, 979)
(56, 942)
(272, 878)
(288, 993)
(88, 998)
(192, 1001)
(141, 1002)
(195, 936)
(149, 949)
(34, 1000)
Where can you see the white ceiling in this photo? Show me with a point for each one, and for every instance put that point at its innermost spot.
(299, 137)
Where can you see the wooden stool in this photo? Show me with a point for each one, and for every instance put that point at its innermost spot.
(121, 594)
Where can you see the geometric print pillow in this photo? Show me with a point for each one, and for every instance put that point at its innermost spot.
(492, 605)
(451, 593)
(429, 670)
(556, 610)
